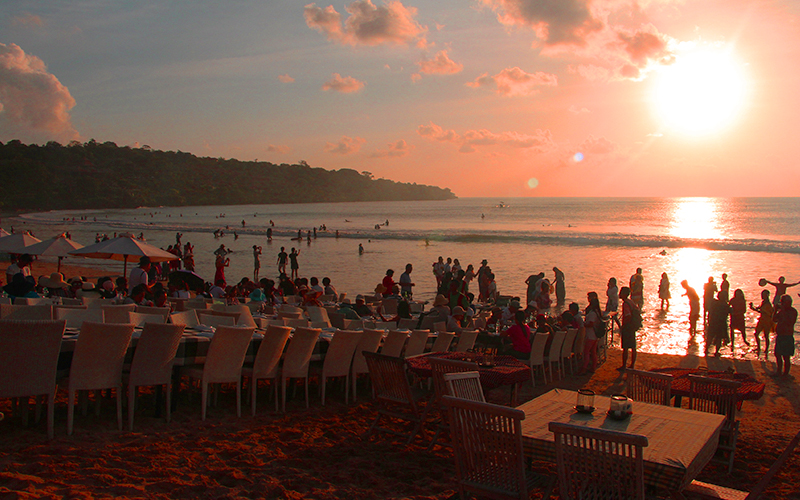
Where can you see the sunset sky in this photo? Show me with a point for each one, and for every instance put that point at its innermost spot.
(487, 97)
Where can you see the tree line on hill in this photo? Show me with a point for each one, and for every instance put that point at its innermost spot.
(104, 175)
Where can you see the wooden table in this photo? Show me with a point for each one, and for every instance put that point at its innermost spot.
(680, 442)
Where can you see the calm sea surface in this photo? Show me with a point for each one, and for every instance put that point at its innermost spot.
(590, 239)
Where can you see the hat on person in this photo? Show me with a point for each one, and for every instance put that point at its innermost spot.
(87, 286)
(359, 297)
(484, 261)
(515, 304)
(76, 279)
(532, 304)
(380, 288)
(458, 311)
(440, 300)
(56, 280)
(19, 286)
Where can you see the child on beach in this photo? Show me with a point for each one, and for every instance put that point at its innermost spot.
(663, 290)
(282, 258)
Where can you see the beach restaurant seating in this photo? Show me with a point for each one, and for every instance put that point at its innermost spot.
(139, 319)
(537, 357)
(152, 362)
(37, 301)
(338, 361)
(28, 359)
(35, 313)
(416, 343)
(567, 351)
(318, 314)
(487, 444)
(393, 394)
(714, 395)
(245, 316)
(649, 387)
(465, 385)
(214, 320)
(443, 341)
(370, 341)
(76, 317)
(187, 318)
(164, 311)
(118, 314)
(466, 340)
(553, 359)
(439, 368)
(407, 323)
(598, 463)
(97, 364)
(298, 358)
(266, 365)
(394, 343)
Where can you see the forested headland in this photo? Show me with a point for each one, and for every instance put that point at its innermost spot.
(104, 175)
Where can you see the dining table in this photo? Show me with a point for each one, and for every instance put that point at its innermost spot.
(680, 441)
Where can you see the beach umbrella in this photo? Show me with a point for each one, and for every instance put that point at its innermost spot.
(183, 276)
(122, 247)
(3, 232)
(59, 247)
(16, 243)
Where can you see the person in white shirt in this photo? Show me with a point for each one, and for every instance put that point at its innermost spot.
(139, 276)
(22, 265)
(217, 291)
(316, 286)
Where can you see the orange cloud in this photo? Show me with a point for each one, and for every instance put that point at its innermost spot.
(391, 23)
(601, 145)
(555, 22)
(345, 85)
(280, 149)
(27, 19)
(395, 150)
(345, 146)
(33, 101)
(441, 64)
(540, 141)
(286, 78)
(514, 81)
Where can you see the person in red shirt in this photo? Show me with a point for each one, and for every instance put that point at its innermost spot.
(388, 282)
(520, 335)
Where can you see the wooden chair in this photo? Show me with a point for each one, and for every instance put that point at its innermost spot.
(370, 341)
(223, 363)
(598, 463)
(393, 392)
(266, 363)
(487, 441)
(28, 360)
(465, 385)
(152, 362)
(76, 317)
(649, 387)
(439, 368)
(443, 341)
(187, 318)
(537, 356)
(338, 361)
(713, 395)
(715, 492)
(394, 343)
(139, 319)
(554, 356)
(466, 340)
(298, 358)
(97, 364)
(416, 343)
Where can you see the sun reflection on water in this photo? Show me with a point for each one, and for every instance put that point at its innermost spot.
(696, 218)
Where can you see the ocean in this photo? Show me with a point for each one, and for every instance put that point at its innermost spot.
(590, 239)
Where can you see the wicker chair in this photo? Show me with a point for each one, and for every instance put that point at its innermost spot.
(598, 463)
(28, 360)
(338, 361)
(318, 314)
(554, 357)
(139, 319)
(187, 318)
(440, 326)
(163, 311)
(34, 313)
(649, 387)
(394, 343)
(487, 441)
(152, 362)
(537, 356)
(393, 392)
(465, 385)
(76, 317)
(566, 351)
(245, 315)
(298, 358)
(443, 341)
(713, 395)
(266, 363)
(466, 340)
(215, 320)
(370, 341)
(416, 343)
(407, 323)
(118, 314)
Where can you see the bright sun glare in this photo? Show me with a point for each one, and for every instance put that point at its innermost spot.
(701, 93)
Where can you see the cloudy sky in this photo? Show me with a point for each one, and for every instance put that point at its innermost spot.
(487, 97)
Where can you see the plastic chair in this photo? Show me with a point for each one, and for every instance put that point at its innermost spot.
(465, 385)
(215, 321)
(139, 319)
(338, 360)
(76, 317)
(714, 395)
(554, 357)
(97, 364)
(298, 358)
(28, 361)
(370, 341)
(266, 363)
(598, 463)
(187, 318)
(393, 343)
(152, 362)
(393, 393)
(416, 343)
(164, 311)
(118, 314)
(33, 313)
(223, 363)
(649, 387)
(537, 356)
(466, 340)
(487, 444)
(443, 341)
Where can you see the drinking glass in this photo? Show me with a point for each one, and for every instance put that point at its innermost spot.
(585, 399)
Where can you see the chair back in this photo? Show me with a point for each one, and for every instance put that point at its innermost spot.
(164, 311)
(99, 355)
(487, 437)
(440, 326)
(598, 463)
(336, 319)
(385, 325)
(155, 354)
(416, 343)
(298, 354)
(245, 315)
(289, 309)
(393, 343)
(318, 314)
(353, 324)
(389, 307)
(466, 340)
(196, 303)
(66, 301)
(118, 314)
(297, 323)
(29, 357)
(340, 353)
(32, 313)
(407, 323)
(465, 385)
(215, 320)
(556, 345)
(327, 298)
(139, 319)
(186, 318)
(370, 341)
(31, 301)
(93, 303)
(537, 349)
(389, 380)
(270, 351)
(569, 341)
(76, 317)
(290, 315)
(649, 387)
(714, 395)
(428, 321)
(440, 367)
(443, 341)
(226, 354)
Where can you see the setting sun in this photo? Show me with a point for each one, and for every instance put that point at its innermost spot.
(701, 93)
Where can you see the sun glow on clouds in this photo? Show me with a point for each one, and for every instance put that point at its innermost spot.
(345, 146)
(345, 85)
(514, 81)
(391, 23)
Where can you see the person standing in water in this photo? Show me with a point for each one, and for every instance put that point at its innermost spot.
(561, 292)
(637, 288)
(694, 306)
(295, 267)
(785, 317)
(764, 324)
(282, 258)
(256, 261)
(663, 290)
(780, 289)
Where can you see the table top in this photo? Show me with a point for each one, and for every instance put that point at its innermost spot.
(750, 389)
(507, 370)
(680, 441)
